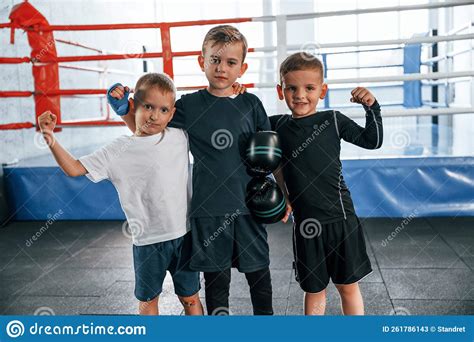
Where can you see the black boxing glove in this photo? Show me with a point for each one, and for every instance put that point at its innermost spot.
(265, 200)
(263, 153)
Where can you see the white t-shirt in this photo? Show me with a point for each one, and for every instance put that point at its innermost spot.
(151, 177)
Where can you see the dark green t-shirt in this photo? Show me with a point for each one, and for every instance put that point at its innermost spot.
(218, 130)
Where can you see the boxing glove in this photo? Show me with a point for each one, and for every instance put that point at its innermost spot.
(265, 200)
(263, 153)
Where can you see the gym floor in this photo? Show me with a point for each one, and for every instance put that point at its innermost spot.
(85, 267)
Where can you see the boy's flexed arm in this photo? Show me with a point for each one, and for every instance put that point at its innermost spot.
(370, 136)
(70, 165)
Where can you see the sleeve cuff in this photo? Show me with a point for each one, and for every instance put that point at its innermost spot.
(375, 106)
(92, 174)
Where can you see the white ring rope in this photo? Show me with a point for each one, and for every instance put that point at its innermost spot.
(416, 40)
(304, 16)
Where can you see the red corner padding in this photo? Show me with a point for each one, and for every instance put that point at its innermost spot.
(46, 76)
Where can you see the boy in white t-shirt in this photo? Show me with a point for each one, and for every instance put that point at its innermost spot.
(150, 172)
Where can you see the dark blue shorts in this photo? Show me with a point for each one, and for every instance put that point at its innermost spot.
(151, 263)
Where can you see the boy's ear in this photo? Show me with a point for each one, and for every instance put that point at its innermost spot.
(243, 69)
(201, 62)
(131, 102)
(280, 92)
(172, 114)
(324, 91)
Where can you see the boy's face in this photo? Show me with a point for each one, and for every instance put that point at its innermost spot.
(154, 111)
(302, 90)
(222, 64)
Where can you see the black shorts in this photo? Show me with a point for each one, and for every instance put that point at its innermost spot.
(219, 243)
(335, 251)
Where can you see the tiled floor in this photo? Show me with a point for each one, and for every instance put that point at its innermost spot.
(85, 267)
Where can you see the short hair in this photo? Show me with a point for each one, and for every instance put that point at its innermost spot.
(225, 34)
(154, 80)
(301, 61)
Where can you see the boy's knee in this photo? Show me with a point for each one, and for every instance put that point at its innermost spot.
(149, 306)
(348, 289)
(189, 301)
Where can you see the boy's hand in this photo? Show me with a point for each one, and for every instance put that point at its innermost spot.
(47, 122)
(117, 96)
(238, 88)
(363, 96)
(289, 209)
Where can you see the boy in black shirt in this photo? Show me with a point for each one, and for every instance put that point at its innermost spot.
(219, 125)
(328, 239)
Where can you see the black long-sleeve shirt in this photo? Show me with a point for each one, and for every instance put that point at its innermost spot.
(311, 162)
(219, 129)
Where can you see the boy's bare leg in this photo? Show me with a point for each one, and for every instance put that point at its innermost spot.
(315, 303)
(148, 308)
(192, 305)
(351, 299)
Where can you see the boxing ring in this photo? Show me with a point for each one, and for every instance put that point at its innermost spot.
(394, 184)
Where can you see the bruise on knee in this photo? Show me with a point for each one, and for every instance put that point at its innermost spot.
(188, 301)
